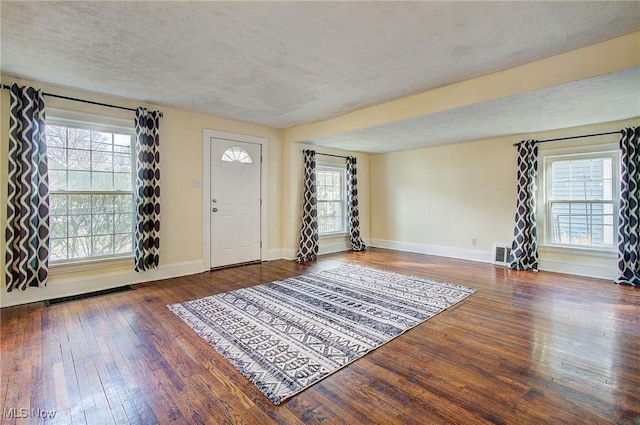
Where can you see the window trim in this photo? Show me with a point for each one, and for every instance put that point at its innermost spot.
(543, 210)
(331, 166)
(105, 124)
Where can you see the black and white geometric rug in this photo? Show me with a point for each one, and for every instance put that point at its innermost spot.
(285, 336)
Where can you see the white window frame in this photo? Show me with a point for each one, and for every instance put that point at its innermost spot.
(106, 124)
(333, 167)
(546, 159)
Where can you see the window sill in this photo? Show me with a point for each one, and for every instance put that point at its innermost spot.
(574, 250)
(91, 264)
(332, 235)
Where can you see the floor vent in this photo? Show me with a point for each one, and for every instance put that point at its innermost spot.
(501, 253)
(60, 300)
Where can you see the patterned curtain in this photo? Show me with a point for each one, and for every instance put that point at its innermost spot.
(27, 234)
(357, 244)
(147, 231)
(629, 214)
(308, 249)
(524, 250)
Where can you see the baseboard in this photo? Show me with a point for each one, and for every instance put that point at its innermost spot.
(437, 250)
(75, 286)
(80, 285)
(586, 270)
(324, 248)
(289, 254)
(273, 254)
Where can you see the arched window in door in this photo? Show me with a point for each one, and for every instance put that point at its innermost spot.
(236, 154)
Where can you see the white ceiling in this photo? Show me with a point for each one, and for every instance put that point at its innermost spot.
(283, 64)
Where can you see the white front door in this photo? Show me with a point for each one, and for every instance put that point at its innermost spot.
(235, 202)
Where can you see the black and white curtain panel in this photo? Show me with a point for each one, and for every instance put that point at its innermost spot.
(147, 230)
(27, 233)
(524, 250)
(357, 244)
(629, 214)
(308, 249)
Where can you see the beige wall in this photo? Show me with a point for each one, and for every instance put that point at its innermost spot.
(438, 199)
(181, 162)
(445, 195)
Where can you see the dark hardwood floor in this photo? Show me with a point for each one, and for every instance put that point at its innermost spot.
(527, 348)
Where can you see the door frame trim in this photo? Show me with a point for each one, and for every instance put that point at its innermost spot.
(206, 188)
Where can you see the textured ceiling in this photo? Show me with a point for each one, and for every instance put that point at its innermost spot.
(283, 64)
(606, 98)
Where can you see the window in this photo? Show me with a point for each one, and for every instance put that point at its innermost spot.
(331, 199)
(581, 200)
(91, 190)
(236, 154)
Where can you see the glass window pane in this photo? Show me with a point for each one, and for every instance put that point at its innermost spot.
(585, 179)
(56, 136)
(122, 163)
(123, 244)
(79, 225)
(122, 181)
(78, 159)
(102, 204)
(101, 141)
(78, 138)
(122, 143)
(102, 224)
(582, 224)
(236, 154)
(102, 245)
(79, 180)
(102, 161)
(58, 249)
(322, 193)
(79, 204)
(101, 181)
(123, 223)
(123, 203)
(58, 226)
(79, 247)
(58, 204)
(321, 178)
(57, 180)
(57, 158)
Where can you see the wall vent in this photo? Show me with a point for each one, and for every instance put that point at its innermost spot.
(54, 301)
(501, 253)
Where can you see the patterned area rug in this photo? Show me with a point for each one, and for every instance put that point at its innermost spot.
(287, 335)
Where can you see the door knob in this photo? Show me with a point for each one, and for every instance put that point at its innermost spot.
(215, 210)
(214, 200)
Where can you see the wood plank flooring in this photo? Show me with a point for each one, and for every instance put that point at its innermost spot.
(527, 348)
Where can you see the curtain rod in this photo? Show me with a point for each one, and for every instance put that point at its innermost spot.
(6, 87)
(572, 137)
(330, 154)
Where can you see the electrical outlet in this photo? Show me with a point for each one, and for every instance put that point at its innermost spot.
(473, 241)
(197, 183)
